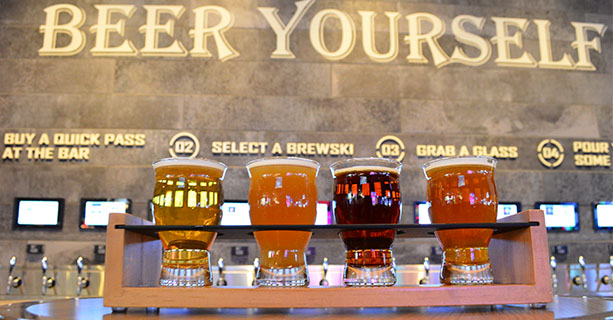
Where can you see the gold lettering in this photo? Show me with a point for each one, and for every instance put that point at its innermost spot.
(465, 37)
(216, 147)
(11, 153)
(316, 34)
(368, 36)
(276, 149)
(566, 62)
(104, 28)
(202, 31)
(583, 46)
(590, 147)
(503, 41)
(44, 139)
(51, 29)
(284, 32)
(416, 38)
(291, 148)
(152, 30)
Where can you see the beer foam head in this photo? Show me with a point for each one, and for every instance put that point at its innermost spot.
(290, 161)
(366, 169)
(199, 162)
(456, 161)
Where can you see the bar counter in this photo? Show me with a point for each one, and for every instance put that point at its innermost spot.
(92, 308)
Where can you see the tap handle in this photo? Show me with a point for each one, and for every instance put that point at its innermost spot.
(582, 263)
(220, 265)
(12, 263)
(325, 266)
(553, 263)
(79, 265)
(44, 264)
(256, 269)
(427, 265)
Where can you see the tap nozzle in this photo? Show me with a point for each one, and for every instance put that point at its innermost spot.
(82, 282)
(425, 279)
(554, 266)
(48, 282)
(12, 282)
(324, 265)
(221, 266)
(581, 280)
(256, 270)
(606, 279)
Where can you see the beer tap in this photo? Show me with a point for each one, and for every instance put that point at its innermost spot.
(256, 270)
(554, 276)
(82, 282)
(581, 280)
(222, 280)
(324, 282)
(13, 282)
(48, 282)
(606, 279)
(426, 279)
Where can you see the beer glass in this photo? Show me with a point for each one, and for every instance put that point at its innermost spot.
(462, 190)
(282, 191)
(187, 192)
(366, 191)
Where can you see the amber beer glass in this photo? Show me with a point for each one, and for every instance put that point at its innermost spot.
(366, 191)
(282, 191)
(187, 192)
(462, 190)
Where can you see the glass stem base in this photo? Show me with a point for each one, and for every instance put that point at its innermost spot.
(369, 268)
(186, 268)
(466, 266)
(282, 268)
(282, 277)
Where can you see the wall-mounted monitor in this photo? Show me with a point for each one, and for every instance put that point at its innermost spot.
(506, 209)
(420, 212)
(235, 213)
(94, 213)
(603, 215)
(38, 213)
(324, 213)
(560, 216)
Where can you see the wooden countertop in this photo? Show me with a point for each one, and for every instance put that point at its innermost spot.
(92, 308)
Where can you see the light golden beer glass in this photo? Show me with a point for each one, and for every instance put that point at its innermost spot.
(187, 192)
(463, 190)
(282, 191)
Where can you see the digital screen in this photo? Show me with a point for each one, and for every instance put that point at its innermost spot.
(506, 209)
(603, 215)
(560, 216)
(324, 214)
(421, 212)
(38, 213)
(235, 213)
(95, 212)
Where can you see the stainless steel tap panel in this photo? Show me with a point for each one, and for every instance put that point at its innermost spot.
(66, 277)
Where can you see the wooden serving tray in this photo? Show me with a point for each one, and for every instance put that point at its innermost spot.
(519, 261)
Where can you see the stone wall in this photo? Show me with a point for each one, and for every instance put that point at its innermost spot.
(254, 97)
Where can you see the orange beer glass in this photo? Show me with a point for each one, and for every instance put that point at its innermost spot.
(282, 191)
(187, 192)
(463, 190)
